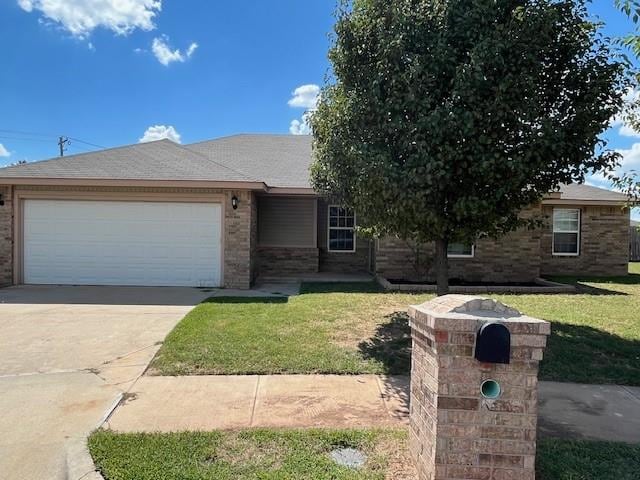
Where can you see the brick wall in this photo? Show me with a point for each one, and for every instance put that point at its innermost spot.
(238, 232)
(514, 257)
(604, 243)
(287, 260)
(455, 432)
(238, 227)
(341, 262)
(254, 237)
(6, 237)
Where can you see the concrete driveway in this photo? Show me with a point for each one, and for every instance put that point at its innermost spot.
(66, 356)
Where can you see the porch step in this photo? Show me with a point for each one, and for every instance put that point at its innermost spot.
(315, 277)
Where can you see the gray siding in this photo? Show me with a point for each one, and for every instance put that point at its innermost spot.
(286, 221)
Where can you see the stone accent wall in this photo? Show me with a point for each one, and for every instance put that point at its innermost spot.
(604, 243)
(341, 262)
(512, 258)
(238, 226)
(455, 432)
(6, 237)
(287, 260)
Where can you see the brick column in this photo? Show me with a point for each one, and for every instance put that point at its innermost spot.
(6, 237)
(455, 432)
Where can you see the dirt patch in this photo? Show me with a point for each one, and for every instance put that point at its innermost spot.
(361, 324)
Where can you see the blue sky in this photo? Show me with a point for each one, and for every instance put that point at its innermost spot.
(113, 72)
(107, 88)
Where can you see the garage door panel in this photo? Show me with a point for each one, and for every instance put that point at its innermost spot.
(122, 243)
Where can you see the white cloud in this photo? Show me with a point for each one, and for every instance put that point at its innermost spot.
(4, 152)
(165, 55)
(300, 127)
(81, 17)
(630, 158)
(158, 132)
(305, 96)
(631, 99)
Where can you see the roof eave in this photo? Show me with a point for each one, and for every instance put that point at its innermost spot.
(570, 201)
(112, 182)
(292, 191)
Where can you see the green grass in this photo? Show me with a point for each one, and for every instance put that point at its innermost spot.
(581, 460)
(250, 454)
(329, 328)
(357, 328)
(304, 454)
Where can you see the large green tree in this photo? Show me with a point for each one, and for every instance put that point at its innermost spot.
(443, 119)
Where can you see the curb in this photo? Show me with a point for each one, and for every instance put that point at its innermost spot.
(543, 286)
(79, 463)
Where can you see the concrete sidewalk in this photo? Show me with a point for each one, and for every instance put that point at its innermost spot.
(594, 412)
(230, 402)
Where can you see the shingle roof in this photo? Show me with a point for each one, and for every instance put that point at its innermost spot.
(159, 160)
(583, 192)
(276, 160)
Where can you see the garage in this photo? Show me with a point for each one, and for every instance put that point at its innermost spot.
(98, 242)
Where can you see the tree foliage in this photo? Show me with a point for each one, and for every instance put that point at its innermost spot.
(446, 117)
(631, 8)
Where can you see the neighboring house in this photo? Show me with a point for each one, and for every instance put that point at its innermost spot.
(221, 212)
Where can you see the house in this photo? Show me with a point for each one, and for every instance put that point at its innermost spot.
(221, 212)
(634, 241)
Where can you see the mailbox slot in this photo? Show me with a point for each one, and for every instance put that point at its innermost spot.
(493, 343)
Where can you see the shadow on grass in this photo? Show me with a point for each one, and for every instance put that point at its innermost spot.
(246, 300)
(584, 285)
(391, 344)
(575, 353)
(583, 354)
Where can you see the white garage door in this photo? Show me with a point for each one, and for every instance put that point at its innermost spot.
(122, 243)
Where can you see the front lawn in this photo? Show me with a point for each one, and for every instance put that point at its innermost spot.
(304, 454)
(357, 328)
(250, 454)
(323, 330)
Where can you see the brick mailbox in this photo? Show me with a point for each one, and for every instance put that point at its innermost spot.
(474, 387)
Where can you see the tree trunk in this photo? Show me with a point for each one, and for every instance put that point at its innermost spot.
(442, 266)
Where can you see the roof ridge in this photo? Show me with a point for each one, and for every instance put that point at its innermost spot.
(245, 134)
(75, 155)
(185, 147)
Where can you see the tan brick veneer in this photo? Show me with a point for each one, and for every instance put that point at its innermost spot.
(287, 260)
(6, 237)
(523, 255)
(455, 433)
(604, 243)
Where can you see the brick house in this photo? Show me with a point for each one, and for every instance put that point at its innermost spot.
(222, 212)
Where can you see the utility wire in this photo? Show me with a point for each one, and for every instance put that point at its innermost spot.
(25, 139)
(86, 143)
(35, 134)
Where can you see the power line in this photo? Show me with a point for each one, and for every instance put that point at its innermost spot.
(36, 134)
(86, 143)
(25, 139)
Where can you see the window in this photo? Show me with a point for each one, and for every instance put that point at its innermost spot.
(566, 231)
(342, 237)
(460, 250)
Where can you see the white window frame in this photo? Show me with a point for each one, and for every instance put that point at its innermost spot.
(458, 255)
(329, 228)
(554, 231)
